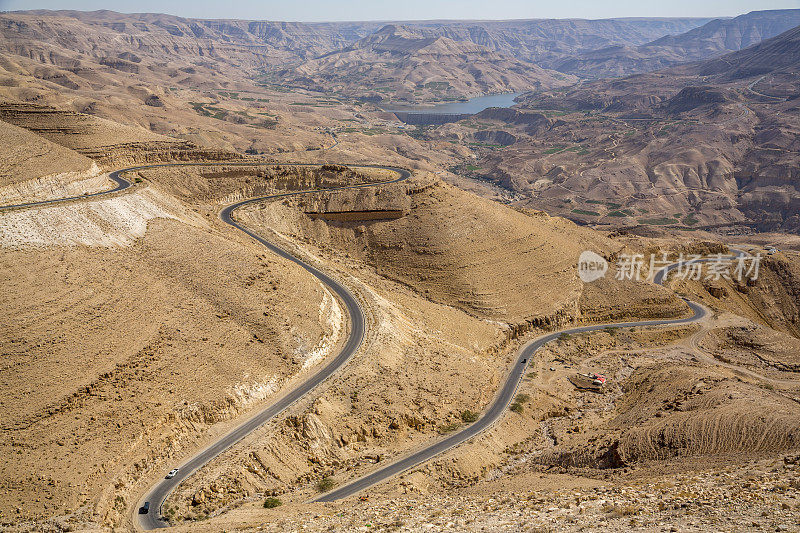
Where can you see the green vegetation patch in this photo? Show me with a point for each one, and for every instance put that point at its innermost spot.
(325, 484)
(690, 220)
(366, 131)
(551, 112)
(208, 110)
(554, 150)
(585, 212)
(447, 428)
(519, 402)
(271, 503)
(468, 416)
(438, 85)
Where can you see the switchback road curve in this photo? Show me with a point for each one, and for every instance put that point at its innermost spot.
(161, 491)
(158, 494)
(502, 399)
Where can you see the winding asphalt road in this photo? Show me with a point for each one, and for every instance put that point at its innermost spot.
(122, 184)
(495, 411)
(161, 491)
(503, 398)
(158, 494)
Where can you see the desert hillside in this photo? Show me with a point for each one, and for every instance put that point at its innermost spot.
(399, 64)
(697, 146)
(28, 156)
(239, 287)
(454, 248)
(713, 39)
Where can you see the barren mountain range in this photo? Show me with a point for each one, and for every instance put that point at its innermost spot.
(707, 143)
(141, 328)
(402, 65)
(715, 38)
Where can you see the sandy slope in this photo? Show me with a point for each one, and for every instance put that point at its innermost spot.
(28, 156)
(136, 326)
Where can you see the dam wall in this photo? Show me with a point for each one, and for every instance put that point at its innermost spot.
(429, 119)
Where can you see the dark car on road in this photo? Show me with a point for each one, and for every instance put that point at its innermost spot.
(144, 508)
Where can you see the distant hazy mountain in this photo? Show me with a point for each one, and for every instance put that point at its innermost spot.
(715, 38)
(403, 64)
(781, 53)
(539, 40)
(547, 41)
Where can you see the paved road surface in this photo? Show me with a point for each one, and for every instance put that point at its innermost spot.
(159, 493)
(122, 184)
(503, 399)
(495, 411)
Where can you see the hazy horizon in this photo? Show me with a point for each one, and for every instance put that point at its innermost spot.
(413, 10)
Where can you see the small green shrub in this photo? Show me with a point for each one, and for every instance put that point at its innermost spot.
(517, 408)
(272, 502)
(447, 428)
(325, 484)
(469, 416)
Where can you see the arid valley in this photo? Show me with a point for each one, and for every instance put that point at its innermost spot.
(531, 274)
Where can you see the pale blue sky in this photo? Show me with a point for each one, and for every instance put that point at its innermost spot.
(332, 10)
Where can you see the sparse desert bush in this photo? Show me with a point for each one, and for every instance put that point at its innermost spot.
(325, 484)
(517, 408)
(447, 428)
(621, 510)
(272, 502)
(469, 416)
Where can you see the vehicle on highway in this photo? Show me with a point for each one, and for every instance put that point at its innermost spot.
(144, 508)
(172, 473)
